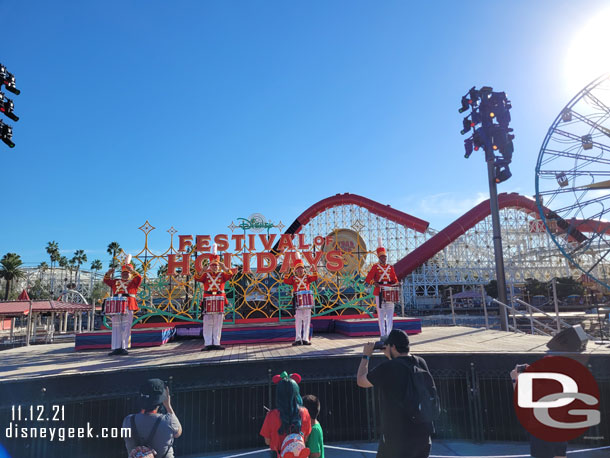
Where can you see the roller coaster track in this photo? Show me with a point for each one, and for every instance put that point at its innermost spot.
(445, 237)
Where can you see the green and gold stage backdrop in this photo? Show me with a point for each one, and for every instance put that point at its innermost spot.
(169, 292)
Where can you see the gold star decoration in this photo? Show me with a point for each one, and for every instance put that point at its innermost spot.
(146, 227)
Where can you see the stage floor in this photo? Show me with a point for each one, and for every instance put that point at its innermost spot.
(51, 360)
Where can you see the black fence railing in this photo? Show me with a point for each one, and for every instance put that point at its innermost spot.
(477, 405)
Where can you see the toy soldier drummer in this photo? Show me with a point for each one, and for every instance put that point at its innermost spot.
(123, 288)
(303, 300)
(214, 300)
(386, 290)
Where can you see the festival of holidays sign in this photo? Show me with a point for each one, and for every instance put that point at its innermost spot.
(258, 248)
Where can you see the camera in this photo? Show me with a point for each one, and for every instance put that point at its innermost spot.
(380, 345)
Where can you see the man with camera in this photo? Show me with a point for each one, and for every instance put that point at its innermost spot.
(404, 433)
(152, 433)
(538, 447)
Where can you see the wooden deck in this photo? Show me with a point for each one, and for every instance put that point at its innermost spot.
(60, 359)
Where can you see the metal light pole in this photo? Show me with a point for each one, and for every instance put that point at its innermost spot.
(497, 239)
(491, 110)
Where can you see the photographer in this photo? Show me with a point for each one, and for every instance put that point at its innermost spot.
(401, 436)
(538, 447)
(152, 433)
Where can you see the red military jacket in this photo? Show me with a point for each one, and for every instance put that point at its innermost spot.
(300, 283)
(214, 284)
(127, 289)
(381, 274)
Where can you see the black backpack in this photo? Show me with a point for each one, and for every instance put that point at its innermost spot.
(421, 402)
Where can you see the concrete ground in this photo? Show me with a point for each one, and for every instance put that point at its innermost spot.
(440, 449)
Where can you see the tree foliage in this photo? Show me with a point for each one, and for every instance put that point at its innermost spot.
(10, 270)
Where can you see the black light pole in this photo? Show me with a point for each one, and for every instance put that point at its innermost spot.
(491, 110)
(497, 239)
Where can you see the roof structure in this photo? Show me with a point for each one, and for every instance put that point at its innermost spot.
(20, 308)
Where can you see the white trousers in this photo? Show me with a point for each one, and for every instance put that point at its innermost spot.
(121, 330)
(302, 321)
(385, 315)
(212, 328)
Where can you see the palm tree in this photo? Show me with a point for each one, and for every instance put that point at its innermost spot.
(96, 265)
(162, 271)
(79, 258)
(113, 249)
(42, 268)
(71, 268)
(10, 270)
(53, 252)
(63, 263)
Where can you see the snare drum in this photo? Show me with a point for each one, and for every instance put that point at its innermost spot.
(390, 294)
(214, 304)
(115, 306)
(305, 299)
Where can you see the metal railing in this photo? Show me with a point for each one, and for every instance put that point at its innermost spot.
(477, 405)
(536, 326)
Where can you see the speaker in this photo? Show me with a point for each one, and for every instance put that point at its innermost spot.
(571, 339)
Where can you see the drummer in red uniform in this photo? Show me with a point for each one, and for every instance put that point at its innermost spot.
(383, 275)
(125, 287)
(214, 301)
(303, 300)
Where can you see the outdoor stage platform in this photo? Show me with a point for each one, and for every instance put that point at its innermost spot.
(250, 332)
(62, 372)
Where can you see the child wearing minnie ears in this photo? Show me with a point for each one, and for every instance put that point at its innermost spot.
(287, 427)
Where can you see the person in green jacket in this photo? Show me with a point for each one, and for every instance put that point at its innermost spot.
(315, 441)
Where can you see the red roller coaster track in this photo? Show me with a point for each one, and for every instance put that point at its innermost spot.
(384, 211)
(445, 237)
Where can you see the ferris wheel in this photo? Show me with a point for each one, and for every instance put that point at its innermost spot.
(573, 181)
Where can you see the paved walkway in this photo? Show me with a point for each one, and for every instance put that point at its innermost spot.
(440, 449)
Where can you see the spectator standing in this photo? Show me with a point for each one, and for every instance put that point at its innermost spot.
(538, 447)
(289, 417)
(149, 428)
(315, 442)
(401, 437)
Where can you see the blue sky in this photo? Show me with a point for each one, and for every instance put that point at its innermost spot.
(194, 113)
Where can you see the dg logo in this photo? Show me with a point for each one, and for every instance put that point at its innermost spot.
(557, 399)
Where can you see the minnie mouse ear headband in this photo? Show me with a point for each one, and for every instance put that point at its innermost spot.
(284, 376)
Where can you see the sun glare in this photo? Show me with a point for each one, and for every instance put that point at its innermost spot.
(589, 53)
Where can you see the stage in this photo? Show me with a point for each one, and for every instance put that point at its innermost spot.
(59, 360)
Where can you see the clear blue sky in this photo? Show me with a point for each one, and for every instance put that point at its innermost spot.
(193, 113)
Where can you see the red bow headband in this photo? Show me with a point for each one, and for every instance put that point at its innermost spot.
(284, 376)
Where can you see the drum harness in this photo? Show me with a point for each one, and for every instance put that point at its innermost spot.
(121, 285)
(385, 273)
(302, 284)
(213, 284)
